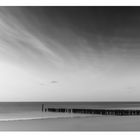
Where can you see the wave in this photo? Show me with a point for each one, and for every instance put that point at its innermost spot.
(46, 117)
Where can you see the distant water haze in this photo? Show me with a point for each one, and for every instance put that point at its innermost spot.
(69, 54)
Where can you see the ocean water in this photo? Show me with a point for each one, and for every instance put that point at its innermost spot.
(27, 116)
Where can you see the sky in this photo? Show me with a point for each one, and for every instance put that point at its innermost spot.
(69, 53)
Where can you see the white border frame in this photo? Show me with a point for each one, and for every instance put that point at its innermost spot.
(69, 3)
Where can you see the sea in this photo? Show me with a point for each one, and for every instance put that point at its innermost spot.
(28, 116)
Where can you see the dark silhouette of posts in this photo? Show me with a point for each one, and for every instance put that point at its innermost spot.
(115, 112)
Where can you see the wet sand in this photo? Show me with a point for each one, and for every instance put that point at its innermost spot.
(96, 123)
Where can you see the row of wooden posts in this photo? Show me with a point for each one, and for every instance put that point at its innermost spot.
(118, 112)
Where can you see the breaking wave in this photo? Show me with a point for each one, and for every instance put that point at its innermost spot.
(42, 118)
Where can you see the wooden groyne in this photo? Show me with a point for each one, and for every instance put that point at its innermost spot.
(117, 112)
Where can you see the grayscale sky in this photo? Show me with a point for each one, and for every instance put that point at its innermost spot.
(69, 53)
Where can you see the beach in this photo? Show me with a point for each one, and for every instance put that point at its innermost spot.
(98, 123)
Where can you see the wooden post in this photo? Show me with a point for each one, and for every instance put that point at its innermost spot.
(42, 107)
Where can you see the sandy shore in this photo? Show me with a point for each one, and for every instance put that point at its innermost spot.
(98, 123)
